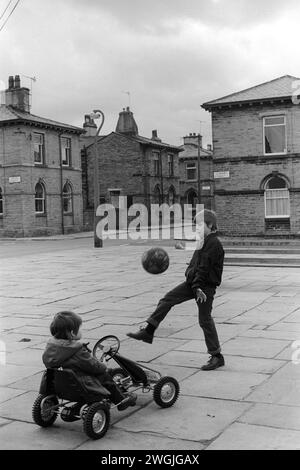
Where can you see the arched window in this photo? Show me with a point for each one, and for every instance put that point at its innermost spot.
(192, 198)
(157, 195)
(1, 202)
(67, 199)
(277, 198)
(171, 196)
(40, 206)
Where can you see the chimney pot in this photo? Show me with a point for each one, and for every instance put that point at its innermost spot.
(11, 82)
(17, 81)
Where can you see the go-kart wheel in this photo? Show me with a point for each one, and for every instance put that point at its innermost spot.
(118, 374)
(44, 410)
(96, 420)
(107, 346)
(166, 392)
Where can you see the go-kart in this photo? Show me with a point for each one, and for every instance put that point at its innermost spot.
(62, 394)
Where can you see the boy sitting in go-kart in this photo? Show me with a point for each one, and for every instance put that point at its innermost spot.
(66, 350)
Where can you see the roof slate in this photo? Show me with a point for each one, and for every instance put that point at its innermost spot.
(281, 87)
(7, 113)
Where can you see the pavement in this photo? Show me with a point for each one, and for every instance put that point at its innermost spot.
(253, 402)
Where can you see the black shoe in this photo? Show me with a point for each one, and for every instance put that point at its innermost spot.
(214, 362)
(142, 335)
(128, 401)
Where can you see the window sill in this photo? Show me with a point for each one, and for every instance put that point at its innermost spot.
(40, 165)
(41, 215)
(275, 154)
(68, 213)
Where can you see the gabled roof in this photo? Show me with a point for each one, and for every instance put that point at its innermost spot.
(279, 88)
(191, 151)
(9, 114)
(144, 141)
(156, 143)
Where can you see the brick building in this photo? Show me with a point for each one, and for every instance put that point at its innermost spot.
(256, 159)
(145, 170)
(40, 171)
(192, 153)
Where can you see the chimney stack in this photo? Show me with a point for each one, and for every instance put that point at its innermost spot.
(89, 126)
(154, 136)
(16, 96)
(126, 123)
(192, 139)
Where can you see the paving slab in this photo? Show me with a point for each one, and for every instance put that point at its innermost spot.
(7, 393)
(278, 416)
(222, 384)
(32, 357)
(11, 373)
(191, 418)
(259, 316)
(271, 334)
(140, 351)
(26, 436)
(254, 347)
(282, 388)
(31, 383)
(19, 407)
(116, 439)
(250, 437)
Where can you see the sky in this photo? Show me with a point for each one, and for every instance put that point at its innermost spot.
(163, 58)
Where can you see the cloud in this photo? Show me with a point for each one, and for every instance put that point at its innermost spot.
(172, 56)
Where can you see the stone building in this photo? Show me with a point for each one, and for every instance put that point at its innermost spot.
(256, 159)
(189, 158)
(40, 171)
(146, 170)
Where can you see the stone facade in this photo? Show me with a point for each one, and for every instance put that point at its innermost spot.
(127, 167)
(242, 167)
(188, 170)
(21, 214)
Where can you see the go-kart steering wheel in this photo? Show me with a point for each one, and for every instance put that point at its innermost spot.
(106, 346)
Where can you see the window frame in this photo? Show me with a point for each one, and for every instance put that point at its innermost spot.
(274, 125)
(63, 151)
(191, 168)
(266, 190)
(171, 164)
(156, 161)
(69, 197)
(41, 146)
(1, 203)
(43, 199)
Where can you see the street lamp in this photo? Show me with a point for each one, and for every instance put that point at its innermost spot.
(198, 169)
(98, 242)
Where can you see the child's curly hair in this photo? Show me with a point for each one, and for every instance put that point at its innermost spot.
(64, 323)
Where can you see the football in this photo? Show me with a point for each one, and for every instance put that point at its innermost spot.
(155, 260)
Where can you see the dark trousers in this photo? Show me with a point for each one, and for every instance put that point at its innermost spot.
(115, 393)
(182, 293)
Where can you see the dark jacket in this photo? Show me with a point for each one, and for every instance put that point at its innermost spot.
(206, 266)
(74, 355)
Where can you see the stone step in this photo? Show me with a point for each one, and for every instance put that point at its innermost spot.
(262, 259)
(262, 249)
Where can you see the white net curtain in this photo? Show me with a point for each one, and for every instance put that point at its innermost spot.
(277, 198)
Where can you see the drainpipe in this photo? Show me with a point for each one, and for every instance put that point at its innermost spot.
(61, 185)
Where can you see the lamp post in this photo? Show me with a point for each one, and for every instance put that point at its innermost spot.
(98, 242)
(198, 168)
